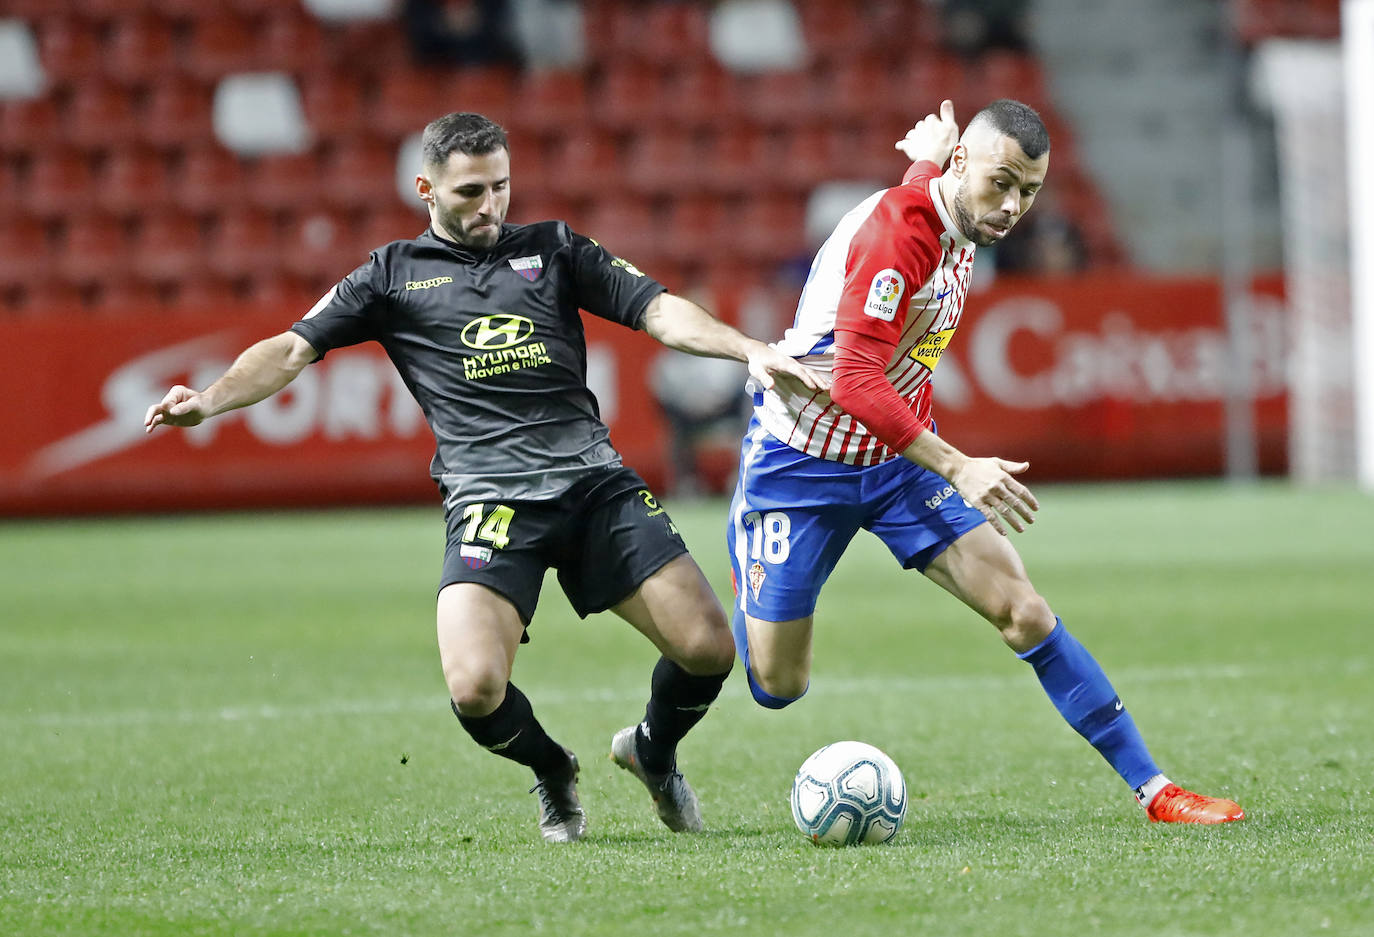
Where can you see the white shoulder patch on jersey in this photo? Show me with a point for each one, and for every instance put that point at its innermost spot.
(885, 295)
(323, 301)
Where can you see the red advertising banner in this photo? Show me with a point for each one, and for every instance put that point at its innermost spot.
(1099, 377)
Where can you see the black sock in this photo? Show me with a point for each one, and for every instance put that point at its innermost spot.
(677, 701)
(511, 731)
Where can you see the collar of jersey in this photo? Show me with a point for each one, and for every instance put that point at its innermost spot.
(466, 254)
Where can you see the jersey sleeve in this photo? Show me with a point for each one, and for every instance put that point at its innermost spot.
(608, 286)
(346, 315)
(892, 255)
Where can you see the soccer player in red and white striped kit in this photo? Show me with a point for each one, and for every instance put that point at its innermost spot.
(882, 301)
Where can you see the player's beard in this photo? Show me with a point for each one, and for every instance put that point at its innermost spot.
(968, 225)
(476, 240)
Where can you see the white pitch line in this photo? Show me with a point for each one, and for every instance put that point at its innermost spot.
(822, 686)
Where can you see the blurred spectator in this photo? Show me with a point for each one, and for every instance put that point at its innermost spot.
(704, 402)
(1047, 242)
(466, 32)
(972, 27)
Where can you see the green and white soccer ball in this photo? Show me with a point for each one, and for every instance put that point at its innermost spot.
(848, 793)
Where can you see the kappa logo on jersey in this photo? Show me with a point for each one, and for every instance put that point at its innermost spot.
(527, 267)
(885, 295)
(427, 284)
(492, 333)
(930, 348)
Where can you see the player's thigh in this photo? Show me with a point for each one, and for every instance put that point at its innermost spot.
(779, 649)
(916, 513)
(479, 631)
(983, 570)
(615, 539)
(676, 610)
(786, 532)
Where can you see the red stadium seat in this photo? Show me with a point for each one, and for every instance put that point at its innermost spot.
(359, 173)
(49, 296)
(704, 95)
(809, 157)
(69, 49)
(740, 159)
(383, 225)
(289, 38)
(26, 257)
(206, 292)
(245, 243)
(587, 164)
(280, 291)
(133, 180)
(26, 124)
(210, 178)
(407, 99)
(139, 49)
(698, 228)
(550, 102)
(771, 229)
(59, 182)
(630, 97)
(778, 98)
(169, 247)
(101, 117)
(333, 103)
(320, 243)
(664, 162)
(178, 114)
(284, 180)
(120, 295)
(221, 45)
(627, 228)
(93, 248)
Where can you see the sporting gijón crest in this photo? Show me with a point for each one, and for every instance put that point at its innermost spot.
(527, 267)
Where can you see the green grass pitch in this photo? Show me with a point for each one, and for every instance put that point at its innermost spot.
(236, 725)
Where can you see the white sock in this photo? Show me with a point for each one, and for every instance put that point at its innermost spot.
(1146, 792)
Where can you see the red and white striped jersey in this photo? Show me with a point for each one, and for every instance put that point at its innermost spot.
(895, 271)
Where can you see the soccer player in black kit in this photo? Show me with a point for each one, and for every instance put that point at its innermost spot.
(481, 319)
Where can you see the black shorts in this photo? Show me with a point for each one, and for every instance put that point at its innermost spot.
(605, 536)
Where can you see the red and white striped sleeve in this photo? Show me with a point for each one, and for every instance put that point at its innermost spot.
(892, 255)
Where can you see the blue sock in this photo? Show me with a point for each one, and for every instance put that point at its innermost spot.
(741, 632)
(1084, 696)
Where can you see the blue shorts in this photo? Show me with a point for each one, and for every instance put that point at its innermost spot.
(793, 515)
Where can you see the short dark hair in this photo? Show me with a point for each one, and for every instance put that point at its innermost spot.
(1018, 121)
(462, 132)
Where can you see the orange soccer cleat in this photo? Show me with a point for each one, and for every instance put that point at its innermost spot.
(1175, 805)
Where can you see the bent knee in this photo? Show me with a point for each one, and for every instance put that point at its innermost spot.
(777, 688)
(1025, 621)
(710, 651)
(476, 691)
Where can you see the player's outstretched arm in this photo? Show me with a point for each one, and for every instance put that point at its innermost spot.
(933, 138)
(682, 324)
(985, 483)
(259, 372)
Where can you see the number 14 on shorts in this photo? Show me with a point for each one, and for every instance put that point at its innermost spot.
(493, 529)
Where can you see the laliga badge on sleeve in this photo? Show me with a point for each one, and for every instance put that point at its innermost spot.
(885, 295)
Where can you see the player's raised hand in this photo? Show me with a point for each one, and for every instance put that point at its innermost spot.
(181, 407)
(933, 137)
(767, 365)
(987, 484)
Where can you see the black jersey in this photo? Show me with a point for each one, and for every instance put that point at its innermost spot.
(492, 346)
